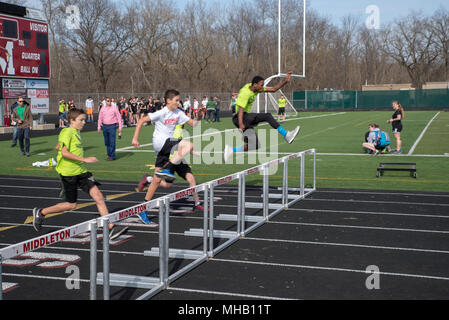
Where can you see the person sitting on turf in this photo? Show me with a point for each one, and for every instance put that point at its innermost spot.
(373, 144)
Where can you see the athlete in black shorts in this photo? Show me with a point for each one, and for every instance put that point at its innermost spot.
(396, 122)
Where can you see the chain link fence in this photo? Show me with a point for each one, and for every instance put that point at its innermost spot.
(79, 99)
(366, 100)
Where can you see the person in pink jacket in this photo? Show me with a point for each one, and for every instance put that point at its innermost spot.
(108, 120)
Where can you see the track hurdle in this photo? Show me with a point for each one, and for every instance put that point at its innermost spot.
(208, 233)
(108, 279)
(291, 195)
(47, 240)
(197, 256)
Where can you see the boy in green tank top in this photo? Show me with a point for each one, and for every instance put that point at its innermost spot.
(282, 102)
(73, 174)
(246, 121)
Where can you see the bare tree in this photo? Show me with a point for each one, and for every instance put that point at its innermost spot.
(154, 29)
(410, 43)
(439, 23)
(103, 40)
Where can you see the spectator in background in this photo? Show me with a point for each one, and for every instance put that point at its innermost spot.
(134, 112)
(210, 109)
(15, 132)
(196, 107)
(396, 122)
(217, 108)
(122, 107)
(282, 102)
(63, 108)
(158, 104)
(186, 107)
(151, 106)
(203, 109)
(90, 109)
(144, 109)
(24, 118)
(233, 103)
(108, 120)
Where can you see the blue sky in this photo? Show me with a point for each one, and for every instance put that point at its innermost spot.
(336, 9)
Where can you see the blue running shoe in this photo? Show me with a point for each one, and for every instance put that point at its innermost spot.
(144, 217)
(167, 175)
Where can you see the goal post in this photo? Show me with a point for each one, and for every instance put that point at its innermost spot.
(270, 99)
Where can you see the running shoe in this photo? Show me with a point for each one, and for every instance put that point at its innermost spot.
(198, 207)
(143, 183)
(167, 175)
(144, 217)
(38, 219)
(291, 135)
(116, 232)
(227, 153)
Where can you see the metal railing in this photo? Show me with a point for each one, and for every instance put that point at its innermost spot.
(244, 224)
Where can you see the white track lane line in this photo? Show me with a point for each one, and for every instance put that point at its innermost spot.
(331, 269)
(127, 149)
(422, 135)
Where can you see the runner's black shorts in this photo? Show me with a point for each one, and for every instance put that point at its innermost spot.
(163, 157)
(281, 111)
(397, 129)
(70, 186)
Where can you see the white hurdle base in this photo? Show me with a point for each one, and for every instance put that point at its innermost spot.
(216, 234)
(297, 189)
(279, 196)
(232, 217)
(130, 281)
(259, 205)
(176, 253)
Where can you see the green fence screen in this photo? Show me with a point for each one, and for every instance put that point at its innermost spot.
(436, 98)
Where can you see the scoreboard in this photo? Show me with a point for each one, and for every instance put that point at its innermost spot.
(24, 48)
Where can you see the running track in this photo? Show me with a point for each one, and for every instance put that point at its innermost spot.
(319, 249)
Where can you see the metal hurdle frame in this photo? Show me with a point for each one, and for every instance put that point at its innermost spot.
(76, 230)
(208, 233)
(198, 256)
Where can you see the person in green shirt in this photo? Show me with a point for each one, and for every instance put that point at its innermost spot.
(246, 121)
(233, 104)
(63, 108)
(282, 102)
(211, 105)
(73, 174)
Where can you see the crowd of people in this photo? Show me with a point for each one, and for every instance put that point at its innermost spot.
(133, 109)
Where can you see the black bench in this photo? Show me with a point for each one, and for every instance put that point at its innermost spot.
(410, 167)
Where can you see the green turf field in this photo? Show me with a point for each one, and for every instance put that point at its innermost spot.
(337, 137)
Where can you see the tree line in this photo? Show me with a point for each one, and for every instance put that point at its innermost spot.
(212, 46)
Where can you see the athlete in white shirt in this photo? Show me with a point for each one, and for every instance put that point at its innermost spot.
(90, 109)
(165, 122)
(187, 106)
(196, 107)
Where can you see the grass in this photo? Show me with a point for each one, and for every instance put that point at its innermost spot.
(335, 133)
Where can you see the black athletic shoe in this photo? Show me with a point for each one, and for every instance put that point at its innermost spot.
(116, 232)
(38, 219)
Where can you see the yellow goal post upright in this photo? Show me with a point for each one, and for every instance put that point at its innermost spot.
(271, 99)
